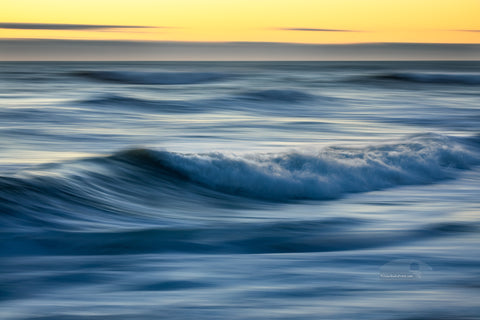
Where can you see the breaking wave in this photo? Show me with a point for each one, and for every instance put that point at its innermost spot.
(327, 173)
(141, 200)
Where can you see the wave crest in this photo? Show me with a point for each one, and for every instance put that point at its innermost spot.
(278, 177)
(328, 173)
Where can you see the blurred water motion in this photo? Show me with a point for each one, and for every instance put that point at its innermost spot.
(257, 190)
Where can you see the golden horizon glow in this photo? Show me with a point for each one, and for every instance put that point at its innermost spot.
(426, 21)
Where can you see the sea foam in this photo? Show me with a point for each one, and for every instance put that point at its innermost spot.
(327, 173)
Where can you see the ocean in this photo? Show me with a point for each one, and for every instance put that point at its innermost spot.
(239, 190)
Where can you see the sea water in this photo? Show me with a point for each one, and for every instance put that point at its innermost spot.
(239, 190)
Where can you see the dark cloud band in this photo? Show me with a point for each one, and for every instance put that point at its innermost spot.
(315, 30)
(56, 26)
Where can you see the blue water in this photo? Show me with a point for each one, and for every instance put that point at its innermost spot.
(235, 190)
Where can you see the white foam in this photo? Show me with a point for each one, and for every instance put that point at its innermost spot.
(330, 172)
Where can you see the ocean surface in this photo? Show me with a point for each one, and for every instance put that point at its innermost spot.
(240, 190)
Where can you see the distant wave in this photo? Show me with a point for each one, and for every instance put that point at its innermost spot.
(130, 103)
(439, 78)
(275, 95)
(114, 99)
(253, 101)
(160, 78)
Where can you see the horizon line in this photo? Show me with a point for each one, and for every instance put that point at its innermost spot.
(40, 49)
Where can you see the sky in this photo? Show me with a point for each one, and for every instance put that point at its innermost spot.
(51, 28)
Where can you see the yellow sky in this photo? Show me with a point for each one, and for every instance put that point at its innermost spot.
(431, 21)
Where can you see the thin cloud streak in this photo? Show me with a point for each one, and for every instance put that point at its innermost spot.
(315, 30)
(63, 26)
